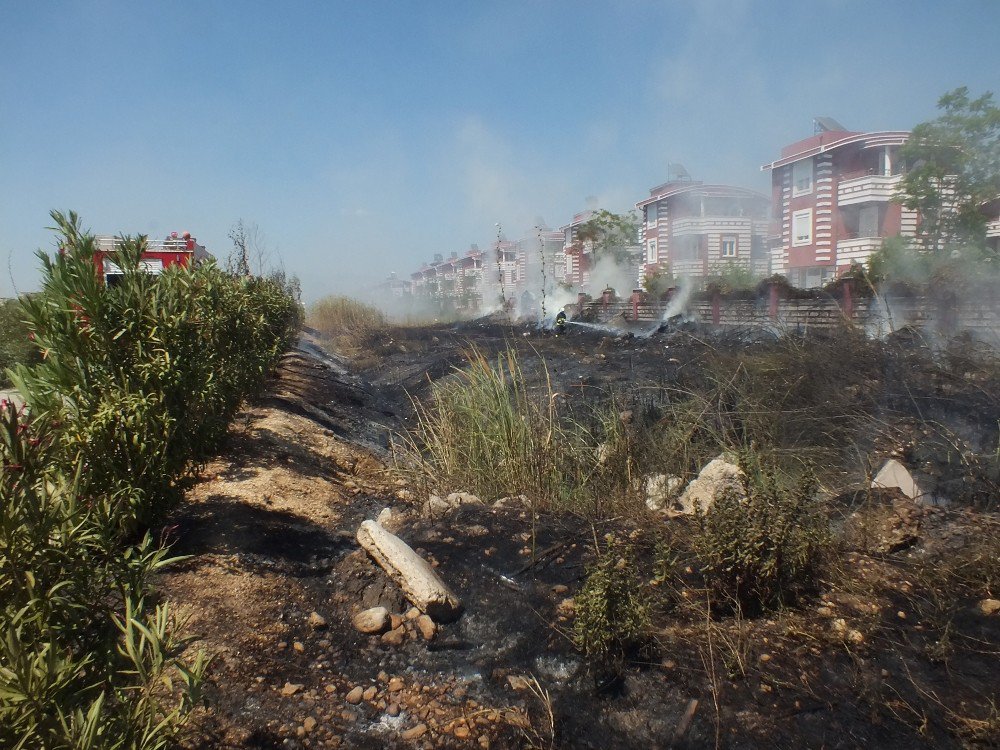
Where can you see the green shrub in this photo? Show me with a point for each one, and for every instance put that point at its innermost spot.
(137, 386)
(764, 550)
(83, 663)
(612, 615)
(144, 376)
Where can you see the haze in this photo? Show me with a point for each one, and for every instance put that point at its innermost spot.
(362, 138)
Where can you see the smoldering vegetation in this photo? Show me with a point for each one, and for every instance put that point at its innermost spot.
(803, 586)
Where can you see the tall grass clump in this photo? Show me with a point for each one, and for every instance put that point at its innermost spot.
(136, 386)
(487, 431)
(345, 320)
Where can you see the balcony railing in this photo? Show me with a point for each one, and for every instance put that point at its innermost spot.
(857, 250)
(866, 188)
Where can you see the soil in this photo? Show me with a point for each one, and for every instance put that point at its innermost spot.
(268, 531)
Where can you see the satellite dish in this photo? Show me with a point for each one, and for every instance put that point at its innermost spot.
(827, 125)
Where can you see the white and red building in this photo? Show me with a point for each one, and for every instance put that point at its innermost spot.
(698, 230)
(832, 197)
(454, 283)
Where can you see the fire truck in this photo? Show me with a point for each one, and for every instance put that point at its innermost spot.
(178, 249)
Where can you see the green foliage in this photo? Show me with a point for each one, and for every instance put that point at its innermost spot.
(145, 375)
(953, 169)
(658, 282)
(765, 549)
(83, 663)
(16, 346)
(610, 235)
(137, 385)
(484, 432)
(612, 615)
(733, 277)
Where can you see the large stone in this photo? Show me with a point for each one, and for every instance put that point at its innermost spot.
(457, 499)
(989, 606)
(718, 476)
(415, 577)
(895, 475)
(435, 506)
(373, 620)
(661, 489)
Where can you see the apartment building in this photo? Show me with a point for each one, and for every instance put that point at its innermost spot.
(453, 283)
(832, 198)
(699, 230)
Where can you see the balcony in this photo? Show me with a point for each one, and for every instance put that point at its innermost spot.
(866, 189)
(710, 225)
(858, 250)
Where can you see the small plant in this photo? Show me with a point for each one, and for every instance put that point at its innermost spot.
(764, 550)
(612, 615)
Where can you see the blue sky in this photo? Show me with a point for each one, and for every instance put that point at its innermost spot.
(363, 137)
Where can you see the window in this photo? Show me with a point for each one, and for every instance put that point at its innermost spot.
(802, 177)
(729, 246)
(651, 251)
(802, 227)
(651, 213)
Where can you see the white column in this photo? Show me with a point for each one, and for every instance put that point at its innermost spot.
(888, 162)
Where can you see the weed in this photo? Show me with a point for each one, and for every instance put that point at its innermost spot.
(766, 549)
(612, 615)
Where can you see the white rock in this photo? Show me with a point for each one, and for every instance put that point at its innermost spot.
(411, 572)
(373, 620)
(896, 476)
(435, 506)
(661, 489)
(514, 501)
(384, 517)
(719, 475)
(456, 499)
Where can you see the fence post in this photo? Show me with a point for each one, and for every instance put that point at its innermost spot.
(848, 301)
(772, 301)
(716, 309)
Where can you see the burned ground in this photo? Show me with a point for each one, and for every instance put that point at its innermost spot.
(886, 654)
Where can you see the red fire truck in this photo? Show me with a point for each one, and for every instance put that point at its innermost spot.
(179, 249)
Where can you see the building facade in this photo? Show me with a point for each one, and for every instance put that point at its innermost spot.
(449, 284)
(698, 230)
(832, 202)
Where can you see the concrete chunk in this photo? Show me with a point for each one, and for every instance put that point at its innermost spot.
(718, 476)
(411, 572)
(895, 475)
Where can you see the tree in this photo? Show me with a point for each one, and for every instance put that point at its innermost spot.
(607, 234)
(953, 169)
(249, 248)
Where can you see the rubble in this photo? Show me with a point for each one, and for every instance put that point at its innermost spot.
(411, 572)
(718, 476)
(661, 489)
(894, 474)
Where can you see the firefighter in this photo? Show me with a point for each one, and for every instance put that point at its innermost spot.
(560, 322)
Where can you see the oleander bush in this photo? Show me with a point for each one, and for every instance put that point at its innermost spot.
(136, 386)
(16, 346)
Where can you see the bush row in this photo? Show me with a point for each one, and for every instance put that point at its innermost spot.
(135, 389)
